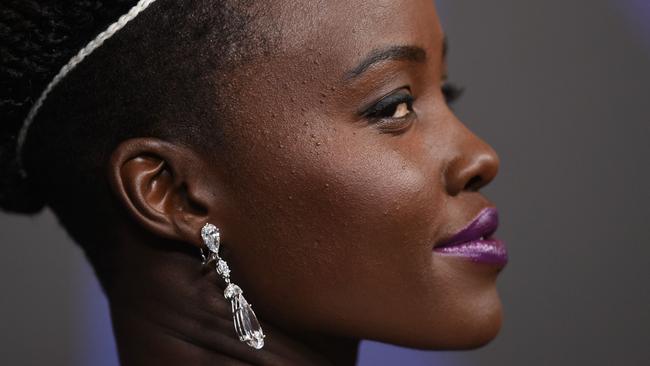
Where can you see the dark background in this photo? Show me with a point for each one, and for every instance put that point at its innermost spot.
(561, 89)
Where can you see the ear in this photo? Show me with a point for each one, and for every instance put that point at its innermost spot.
(164, 186)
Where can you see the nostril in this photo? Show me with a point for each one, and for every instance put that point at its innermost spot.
(474, 184)
(471, 170)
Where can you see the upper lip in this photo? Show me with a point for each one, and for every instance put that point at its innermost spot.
(483, 226)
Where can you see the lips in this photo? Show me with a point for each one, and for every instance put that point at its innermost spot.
(475, 241)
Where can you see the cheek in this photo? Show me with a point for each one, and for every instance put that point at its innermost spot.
(325, 214)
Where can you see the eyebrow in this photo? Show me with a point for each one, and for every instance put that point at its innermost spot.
(397, 53)
(394, 53)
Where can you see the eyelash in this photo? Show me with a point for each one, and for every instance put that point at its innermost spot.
(386, 107)
(452, 92)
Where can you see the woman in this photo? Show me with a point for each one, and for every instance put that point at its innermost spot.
(311, 143)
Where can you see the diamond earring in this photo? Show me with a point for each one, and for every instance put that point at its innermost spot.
(247, 327)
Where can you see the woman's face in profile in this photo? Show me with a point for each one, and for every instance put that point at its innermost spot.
(345, 167)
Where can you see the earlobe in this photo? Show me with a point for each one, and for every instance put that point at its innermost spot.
(154, 181)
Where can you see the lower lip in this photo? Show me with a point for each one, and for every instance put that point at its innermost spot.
(488, 251)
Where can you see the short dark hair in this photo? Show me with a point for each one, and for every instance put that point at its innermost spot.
(161, 76)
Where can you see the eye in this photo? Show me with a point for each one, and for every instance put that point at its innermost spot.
(451, 92)
(395, 106)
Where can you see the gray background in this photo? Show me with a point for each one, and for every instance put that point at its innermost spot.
(561, 90)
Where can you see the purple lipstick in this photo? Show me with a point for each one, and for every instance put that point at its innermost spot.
(476, 242)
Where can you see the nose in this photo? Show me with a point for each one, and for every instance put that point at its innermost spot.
(475, 165)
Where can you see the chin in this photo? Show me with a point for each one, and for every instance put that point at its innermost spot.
(480, 325)
(468, 328)
(479, 336)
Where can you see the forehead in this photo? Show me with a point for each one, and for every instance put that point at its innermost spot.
(334, 35)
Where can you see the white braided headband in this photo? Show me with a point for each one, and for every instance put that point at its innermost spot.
(74, 61)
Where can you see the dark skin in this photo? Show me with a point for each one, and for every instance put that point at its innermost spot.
(328, 217)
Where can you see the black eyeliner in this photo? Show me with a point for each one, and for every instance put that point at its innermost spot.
(392, 100)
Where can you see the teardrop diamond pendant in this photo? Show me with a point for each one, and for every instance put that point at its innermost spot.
(247, 326)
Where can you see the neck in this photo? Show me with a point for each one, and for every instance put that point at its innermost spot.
(166, 310)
